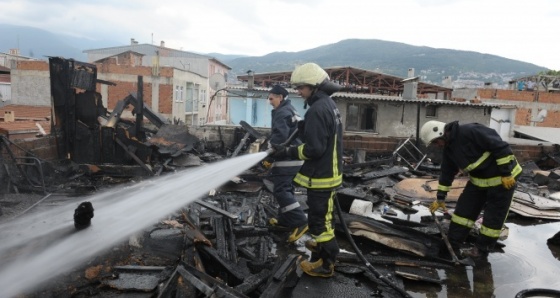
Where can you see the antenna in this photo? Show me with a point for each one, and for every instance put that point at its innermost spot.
(217, 81)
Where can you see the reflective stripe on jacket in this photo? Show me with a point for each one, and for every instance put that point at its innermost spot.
(322, 145)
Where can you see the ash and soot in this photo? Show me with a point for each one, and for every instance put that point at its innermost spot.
(39, 246)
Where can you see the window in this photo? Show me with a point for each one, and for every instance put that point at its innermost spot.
(179, 94)
(197, 98)
(431, 111)
(361, 117)
(191, 105)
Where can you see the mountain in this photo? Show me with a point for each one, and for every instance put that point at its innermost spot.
(431, 64)
(395, 58)
(38, 43)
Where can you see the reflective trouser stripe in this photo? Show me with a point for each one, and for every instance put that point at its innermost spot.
(288, 163)
(465, 222)
(289, 207)
(492, 233)
(327, 229)
(443, 187)
(494, 181)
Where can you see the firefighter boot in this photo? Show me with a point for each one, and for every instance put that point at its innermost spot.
(323, 258)
(318, 268)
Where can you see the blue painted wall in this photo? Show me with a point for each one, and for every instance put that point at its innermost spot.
(256, 109)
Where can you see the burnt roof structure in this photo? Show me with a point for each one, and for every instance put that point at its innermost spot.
(353, 80)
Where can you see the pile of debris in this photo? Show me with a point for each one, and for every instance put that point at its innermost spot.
(222, 246)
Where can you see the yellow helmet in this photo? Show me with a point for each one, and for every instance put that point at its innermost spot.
(308, 74)
(431, 130)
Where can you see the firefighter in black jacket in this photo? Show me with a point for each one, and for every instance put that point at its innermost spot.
(284, 122)
(321, 172)
(478, 151)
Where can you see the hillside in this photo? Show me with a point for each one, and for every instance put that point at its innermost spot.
(395, 58)
(38, 43)
(466, 67)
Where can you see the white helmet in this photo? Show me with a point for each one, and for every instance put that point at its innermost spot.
(431, 130)
(308, 74)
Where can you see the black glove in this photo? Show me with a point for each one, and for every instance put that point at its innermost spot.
(280, 151)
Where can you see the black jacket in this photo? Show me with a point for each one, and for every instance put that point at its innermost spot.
(284, 123)
(479, 151)
(322, 144)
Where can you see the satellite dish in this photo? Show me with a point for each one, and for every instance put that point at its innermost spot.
(540, 116)
(217, 81)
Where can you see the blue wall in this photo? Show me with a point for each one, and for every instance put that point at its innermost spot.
(256, 109)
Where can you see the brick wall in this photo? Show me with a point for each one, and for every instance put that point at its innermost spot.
(165, 99)
(546, 97)
(523, 116)
(215, 136)
(43, 148)
(33, 65)
(525, 153)
(371, 144)
(525, 96)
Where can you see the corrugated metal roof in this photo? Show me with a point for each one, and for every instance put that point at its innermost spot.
(379, 97)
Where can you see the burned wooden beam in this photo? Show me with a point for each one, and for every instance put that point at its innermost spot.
(216, 209)
(206, 284)
(231, 235)
(280, 276)
(131, 154)
(221, 267)
(252, 282)
(219, 230)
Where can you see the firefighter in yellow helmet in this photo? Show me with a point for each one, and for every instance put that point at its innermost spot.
(481, 153)
(321, 171)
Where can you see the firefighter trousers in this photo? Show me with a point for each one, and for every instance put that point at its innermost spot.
(494, 201)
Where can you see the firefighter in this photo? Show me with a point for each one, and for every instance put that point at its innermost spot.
(321, 172)
(284, 122)
(480, 152)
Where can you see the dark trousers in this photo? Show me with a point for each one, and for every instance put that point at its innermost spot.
(495, 201)
(321, 223)
(290, 213)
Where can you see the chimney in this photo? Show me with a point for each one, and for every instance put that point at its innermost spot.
(9, 116)
(133, 42)
(251, 80)
(14, 52)
(162, 44)
(410, 72)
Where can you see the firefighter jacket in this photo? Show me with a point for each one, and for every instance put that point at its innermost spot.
(479, 151)
(284, 122)
(322, 144)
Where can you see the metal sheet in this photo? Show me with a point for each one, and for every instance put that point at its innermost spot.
(547, 134)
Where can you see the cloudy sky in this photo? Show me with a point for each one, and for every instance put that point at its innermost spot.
(521, 30)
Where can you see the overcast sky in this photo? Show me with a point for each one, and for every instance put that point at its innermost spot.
(522, 30)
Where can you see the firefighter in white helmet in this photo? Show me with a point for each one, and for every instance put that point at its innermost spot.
(321, 171)
(481, 153)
